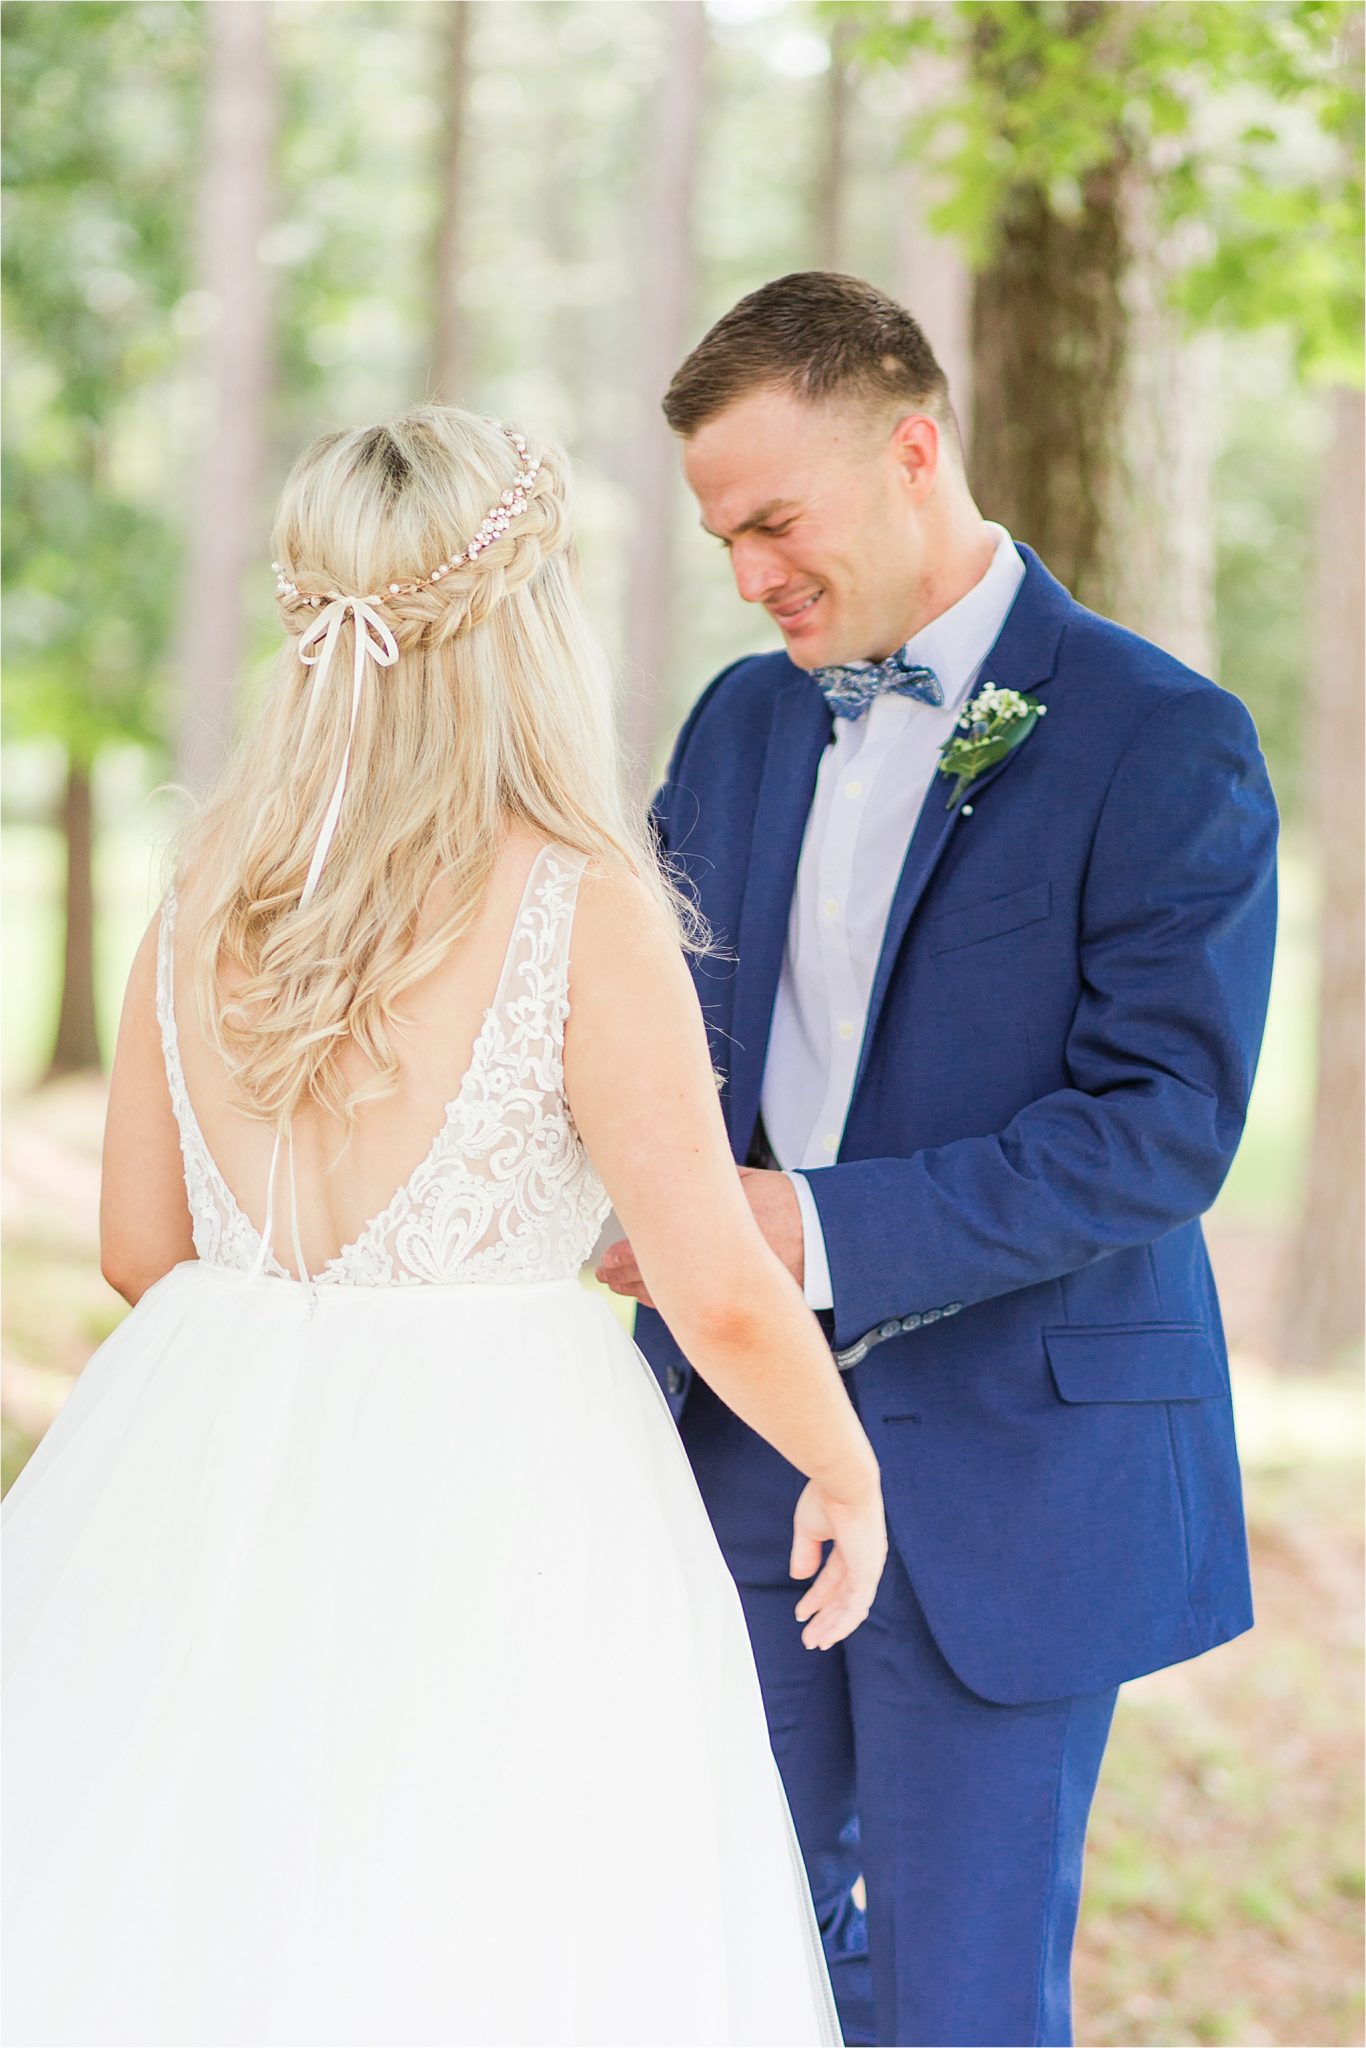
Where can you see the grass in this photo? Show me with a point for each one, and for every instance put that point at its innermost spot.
(1224, 1876)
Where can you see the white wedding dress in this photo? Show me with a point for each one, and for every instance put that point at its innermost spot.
(372, 1674)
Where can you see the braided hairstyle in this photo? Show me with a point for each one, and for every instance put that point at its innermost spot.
(422, 609)
(498, 709)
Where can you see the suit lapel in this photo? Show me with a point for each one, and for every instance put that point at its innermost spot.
(798, 735)
(1022, 658)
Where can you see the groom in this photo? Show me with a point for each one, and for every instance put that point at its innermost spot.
(987, 1063)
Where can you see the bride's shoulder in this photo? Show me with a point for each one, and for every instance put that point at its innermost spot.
(612, 893)
(621, 926)
(633, 1010)
(610, 899)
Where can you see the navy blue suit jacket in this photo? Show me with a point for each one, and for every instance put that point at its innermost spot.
(1061, 1041)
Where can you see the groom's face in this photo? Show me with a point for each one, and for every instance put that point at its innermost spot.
(821, 515)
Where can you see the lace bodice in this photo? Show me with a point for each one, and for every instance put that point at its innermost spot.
(506, 1192)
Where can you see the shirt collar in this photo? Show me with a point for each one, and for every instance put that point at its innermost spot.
(957, 643)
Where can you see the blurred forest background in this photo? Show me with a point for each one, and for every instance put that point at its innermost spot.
(1133, 232)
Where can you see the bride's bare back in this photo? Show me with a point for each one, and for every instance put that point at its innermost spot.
(399, 1199)
(345, 1184)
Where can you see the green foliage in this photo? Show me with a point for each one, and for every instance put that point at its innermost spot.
(1248, 118)
(98, 104)
(103, 389)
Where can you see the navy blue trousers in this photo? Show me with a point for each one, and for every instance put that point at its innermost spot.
(967, 1820)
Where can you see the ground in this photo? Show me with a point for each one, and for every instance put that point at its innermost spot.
(1224, 1882)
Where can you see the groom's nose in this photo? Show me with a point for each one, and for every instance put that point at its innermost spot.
(758, 575)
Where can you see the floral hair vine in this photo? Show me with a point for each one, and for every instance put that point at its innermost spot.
(494, 525)
(373, 639)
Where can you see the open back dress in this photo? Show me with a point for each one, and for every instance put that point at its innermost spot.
(371, 1671)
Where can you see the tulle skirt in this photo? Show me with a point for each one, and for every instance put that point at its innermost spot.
(372, 1676)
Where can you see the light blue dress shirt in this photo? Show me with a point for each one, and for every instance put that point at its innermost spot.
(873, 780)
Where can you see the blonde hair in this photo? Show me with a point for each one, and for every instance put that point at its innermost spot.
(498, 708)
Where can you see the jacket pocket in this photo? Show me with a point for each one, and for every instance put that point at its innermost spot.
(1135, 1362)
(990, 919)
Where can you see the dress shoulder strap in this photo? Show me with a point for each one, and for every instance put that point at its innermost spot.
(533, 990)
(166, 1019)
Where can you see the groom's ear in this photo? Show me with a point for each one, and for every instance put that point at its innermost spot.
(916, 444)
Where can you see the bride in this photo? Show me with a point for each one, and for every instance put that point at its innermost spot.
(372, 1674)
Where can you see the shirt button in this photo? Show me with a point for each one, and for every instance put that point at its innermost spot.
(853, 789)
(830, 908)
(830, 1143)
(846, 1028)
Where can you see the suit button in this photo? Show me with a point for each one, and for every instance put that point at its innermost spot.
(931, 1315)
(910, 1322)
(953, 1308)
(889, 1329)
(673, 1380)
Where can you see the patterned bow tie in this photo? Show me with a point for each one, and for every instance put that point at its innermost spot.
(849, 691)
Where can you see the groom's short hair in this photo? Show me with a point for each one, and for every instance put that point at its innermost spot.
(817, 334)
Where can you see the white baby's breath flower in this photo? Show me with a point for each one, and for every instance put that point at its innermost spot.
(994, 722)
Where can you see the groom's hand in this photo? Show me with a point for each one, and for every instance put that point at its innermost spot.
(777, 1212)
(774, 1202)
(620, 1272)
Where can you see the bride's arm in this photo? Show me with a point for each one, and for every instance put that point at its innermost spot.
(144, 1214)
(640, 1085)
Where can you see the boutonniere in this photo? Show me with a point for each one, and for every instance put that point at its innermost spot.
(992, 726)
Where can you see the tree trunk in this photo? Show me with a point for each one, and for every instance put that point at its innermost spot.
(1161, 516)
(1322, 1314)
(77, 1046)
(664, 302)
(226, 534)
(832, 174)
(1087, 435)
(933, 281)
(1048, 333)
(574, 333)
(451, 365)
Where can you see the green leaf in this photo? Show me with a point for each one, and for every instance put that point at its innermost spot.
(1258, 110)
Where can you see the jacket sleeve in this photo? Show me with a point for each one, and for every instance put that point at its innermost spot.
(1177, 932)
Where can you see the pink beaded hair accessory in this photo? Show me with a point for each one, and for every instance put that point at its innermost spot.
(375, 642)
(495, 524)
